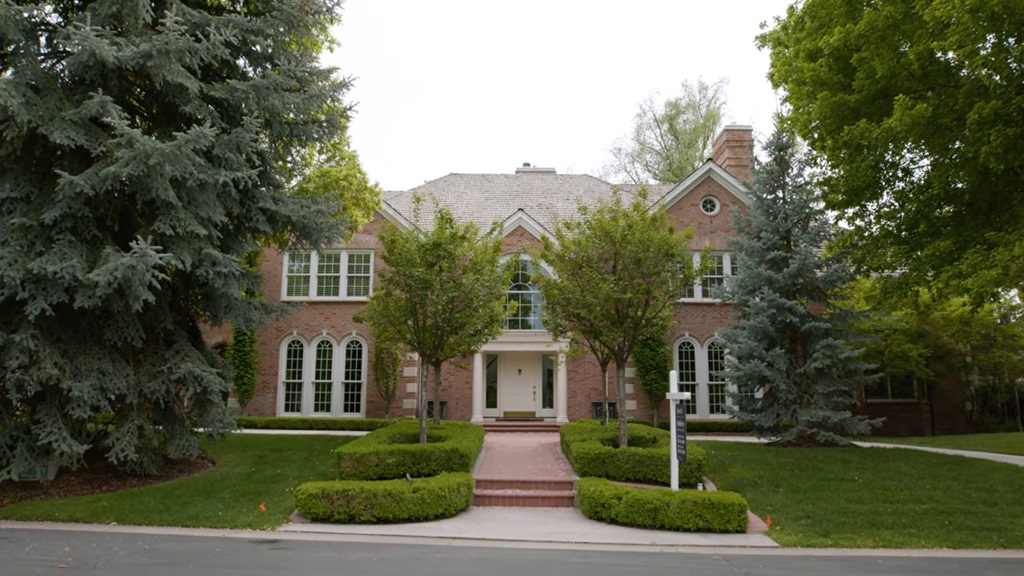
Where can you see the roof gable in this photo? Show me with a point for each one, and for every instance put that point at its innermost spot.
(707, 170)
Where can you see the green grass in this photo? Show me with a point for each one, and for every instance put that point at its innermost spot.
(251, 469)
(1001, 443)
(874, 497)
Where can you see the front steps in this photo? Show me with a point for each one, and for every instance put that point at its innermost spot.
(521, 425)
(524, 493)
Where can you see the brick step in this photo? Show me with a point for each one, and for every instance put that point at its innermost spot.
(525, 498)
(539, 485)
(521, 426)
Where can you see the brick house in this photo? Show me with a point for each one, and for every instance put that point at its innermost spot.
(315, 361)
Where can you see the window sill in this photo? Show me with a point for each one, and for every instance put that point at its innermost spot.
(325, 299)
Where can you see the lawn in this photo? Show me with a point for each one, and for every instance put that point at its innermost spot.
(1001, 443)
(252, 469)
(874, 497)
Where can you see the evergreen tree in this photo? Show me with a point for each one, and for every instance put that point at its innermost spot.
(787, 344)
(147, 146)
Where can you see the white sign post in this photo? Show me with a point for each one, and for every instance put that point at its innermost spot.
(677, 418)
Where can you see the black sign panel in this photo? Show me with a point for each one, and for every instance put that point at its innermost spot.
(680, 438)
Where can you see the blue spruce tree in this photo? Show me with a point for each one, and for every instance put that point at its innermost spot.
(796, 377)
(146, 147)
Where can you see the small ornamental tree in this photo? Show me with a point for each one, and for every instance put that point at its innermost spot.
(619, 268)
(441, 292)
(787, 352)
(652, 360)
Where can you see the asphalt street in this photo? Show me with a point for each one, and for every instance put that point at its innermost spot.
(224, 553)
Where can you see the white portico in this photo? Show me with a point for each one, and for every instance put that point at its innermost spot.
(521, 374)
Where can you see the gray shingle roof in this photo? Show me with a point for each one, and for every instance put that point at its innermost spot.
(487, 198)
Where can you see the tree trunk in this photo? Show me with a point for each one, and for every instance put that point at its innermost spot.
(437, 393)
(620, 377)
(422, 399)
(604, 394)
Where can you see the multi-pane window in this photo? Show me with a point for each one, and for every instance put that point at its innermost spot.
(323, 376)
(525, 296)
(324, 379)
(329, 274)
(297, 275)
(687, 369)
(352, 401)
(358, 278)
(293, 372)
(711, 285)
(716, 379)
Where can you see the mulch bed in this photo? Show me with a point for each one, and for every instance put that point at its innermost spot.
(95, 478)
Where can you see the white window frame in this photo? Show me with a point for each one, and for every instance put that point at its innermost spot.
(309, 381)
(728, 266)
(313, 276)
(703, 400)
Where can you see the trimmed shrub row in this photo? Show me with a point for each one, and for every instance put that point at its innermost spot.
(662, 509)
(391, 501)
(712, 426)
(592, 450)
(299, 423)
(394, 452)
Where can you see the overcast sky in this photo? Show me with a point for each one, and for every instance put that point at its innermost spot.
(476, 86)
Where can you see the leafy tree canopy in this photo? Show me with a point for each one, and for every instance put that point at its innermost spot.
(917, 110)
(147, 147)
(671, 138)
(441, 292)
(619, 268)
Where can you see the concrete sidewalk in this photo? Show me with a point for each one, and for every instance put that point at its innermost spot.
(537, 526)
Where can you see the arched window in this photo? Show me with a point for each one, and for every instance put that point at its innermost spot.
(686, 366)
(354, 378)
(717, 397)
(293, 377)
(529, 301)
(323, 377)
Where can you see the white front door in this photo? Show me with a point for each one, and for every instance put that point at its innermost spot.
(518, 383)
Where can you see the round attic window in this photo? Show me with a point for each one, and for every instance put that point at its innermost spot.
(709, 205)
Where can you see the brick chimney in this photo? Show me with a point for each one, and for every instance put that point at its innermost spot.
(734, 151)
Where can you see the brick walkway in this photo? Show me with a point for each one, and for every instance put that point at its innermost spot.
(523, 469)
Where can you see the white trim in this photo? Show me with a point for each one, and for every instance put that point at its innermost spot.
(521, 219)
(698, 288)
(394, 216)
(707, 170)
(308, 389)
(314, 262)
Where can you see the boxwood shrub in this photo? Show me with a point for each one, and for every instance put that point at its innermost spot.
(592, 450)
(390, 501)
(298, 423)
(661, 508)
(393, 452)
(712, 426)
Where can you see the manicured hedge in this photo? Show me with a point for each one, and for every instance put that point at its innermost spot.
(390, 501)
(393, 452)
(592, 450)
(661, 508)
(298, 423)
(712, 426)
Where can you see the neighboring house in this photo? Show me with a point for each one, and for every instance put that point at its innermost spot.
(315, 361)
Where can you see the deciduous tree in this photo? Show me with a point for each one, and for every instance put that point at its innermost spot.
(619, 268)
(441, 292)
(671, 138)
(147, 146)
(916, 108)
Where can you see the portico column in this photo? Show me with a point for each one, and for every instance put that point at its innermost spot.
(562, 390)
(478, 388)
